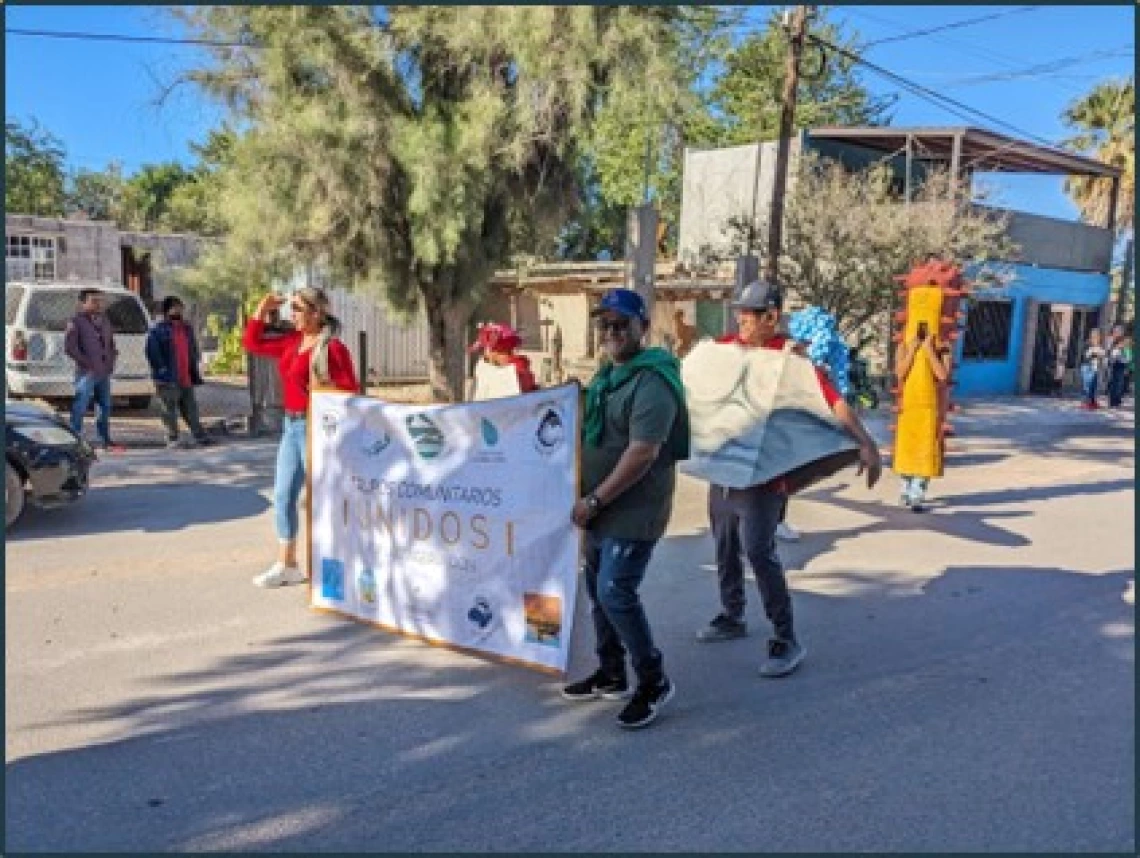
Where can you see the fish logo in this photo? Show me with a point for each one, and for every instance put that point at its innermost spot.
(429, 441)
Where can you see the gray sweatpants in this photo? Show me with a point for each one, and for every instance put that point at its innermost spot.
(746, 519)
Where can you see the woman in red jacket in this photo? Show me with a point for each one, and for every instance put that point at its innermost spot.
(309, 354)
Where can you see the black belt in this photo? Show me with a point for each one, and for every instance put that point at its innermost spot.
(297, 415)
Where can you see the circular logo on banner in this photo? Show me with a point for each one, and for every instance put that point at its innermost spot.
(480, 619)
(426, 436)
(550, 433)
(366, 586)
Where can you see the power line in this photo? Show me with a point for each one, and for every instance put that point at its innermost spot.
(1043, 68)
(946, 102)
(116, 37)
(954, 25)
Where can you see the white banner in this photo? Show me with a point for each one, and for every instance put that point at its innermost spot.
(450, 523)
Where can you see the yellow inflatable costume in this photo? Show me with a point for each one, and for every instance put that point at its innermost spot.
(932, 292)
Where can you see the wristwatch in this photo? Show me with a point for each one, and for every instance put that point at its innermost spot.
(593, 503)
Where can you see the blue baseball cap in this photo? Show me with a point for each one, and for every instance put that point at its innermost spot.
(624, 301)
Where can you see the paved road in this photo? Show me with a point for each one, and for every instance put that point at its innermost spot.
(970, 682)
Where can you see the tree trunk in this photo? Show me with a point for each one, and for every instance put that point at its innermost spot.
(447, 325)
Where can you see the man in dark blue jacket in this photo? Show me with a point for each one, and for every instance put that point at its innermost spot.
(172, 351)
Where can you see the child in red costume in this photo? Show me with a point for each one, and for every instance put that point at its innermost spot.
(498, 343)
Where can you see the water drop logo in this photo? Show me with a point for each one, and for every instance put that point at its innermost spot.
(426, 436)
(374, 446)
(490, 433)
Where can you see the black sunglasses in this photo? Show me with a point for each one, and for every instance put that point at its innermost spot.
(618, 326)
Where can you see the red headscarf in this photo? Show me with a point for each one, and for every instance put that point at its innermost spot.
(496, 337)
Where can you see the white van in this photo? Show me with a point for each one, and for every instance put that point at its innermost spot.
(35, 319)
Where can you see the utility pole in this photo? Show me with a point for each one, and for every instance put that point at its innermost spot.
(1125, 284)
(797, 33)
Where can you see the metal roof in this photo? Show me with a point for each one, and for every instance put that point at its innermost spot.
(981, 150)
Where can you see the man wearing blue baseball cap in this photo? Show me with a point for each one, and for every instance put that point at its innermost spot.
(636, 429)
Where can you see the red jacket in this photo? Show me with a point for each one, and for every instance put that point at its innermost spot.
(293, 365)
(526, 378)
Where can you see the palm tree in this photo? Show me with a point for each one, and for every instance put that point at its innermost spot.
(1106, 125)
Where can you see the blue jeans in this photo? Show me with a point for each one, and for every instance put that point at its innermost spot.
(1089, 377)
(290, 478)
(87, 387)
(614, 570)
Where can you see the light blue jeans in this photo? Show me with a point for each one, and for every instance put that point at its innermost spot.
(290, 478)
(914, 488)
(87, 387)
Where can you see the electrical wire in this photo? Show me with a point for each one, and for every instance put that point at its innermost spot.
(954, 25)
(947, 103)
(117, 37)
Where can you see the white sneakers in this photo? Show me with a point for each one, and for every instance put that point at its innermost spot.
(280, 575)
(786, 532)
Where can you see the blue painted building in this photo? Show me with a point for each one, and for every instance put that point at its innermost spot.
(1025, 337)
(1065, 301)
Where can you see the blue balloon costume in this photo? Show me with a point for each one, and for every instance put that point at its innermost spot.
(817, 328)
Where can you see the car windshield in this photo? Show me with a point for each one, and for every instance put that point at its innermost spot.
(52, 310)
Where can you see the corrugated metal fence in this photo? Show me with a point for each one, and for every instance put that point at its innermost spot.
(397, 351)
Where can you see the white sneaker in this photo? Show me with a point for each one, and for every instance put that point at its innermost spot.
(280, 575)
(786, 532)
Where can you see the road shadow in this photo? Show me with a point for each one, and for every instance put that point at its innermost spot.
(344, 738)
(147, 508)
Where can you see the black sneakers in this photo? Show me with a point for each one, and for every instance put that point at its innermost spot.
(647, 701)
(599, 686)
(722, 628)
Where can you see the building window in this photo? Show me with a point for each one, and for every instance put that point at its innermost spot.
(988, 325)
(30, 257)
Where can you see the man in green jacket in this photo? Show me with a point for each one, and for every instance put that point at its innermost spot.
(635, 430)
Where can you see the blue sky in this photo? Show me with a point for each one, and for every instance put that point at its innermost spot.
(103, 99)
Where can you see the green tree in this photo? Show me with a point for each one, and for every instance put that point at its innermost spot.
(747, 94)
(731, 96)
(415, 149)
(96, 193)
(1105, 120)
(146, 196)
(847, 235)
(638, 144)
(34, 175)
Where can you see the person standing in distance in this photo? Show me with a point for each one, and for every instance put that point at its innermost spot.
(172, 352)
(310, 354)
(636, 429)
(90, 342)
(747, 518)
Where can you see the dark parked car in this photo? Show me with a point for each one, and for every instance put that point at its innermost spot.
(46, 463)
